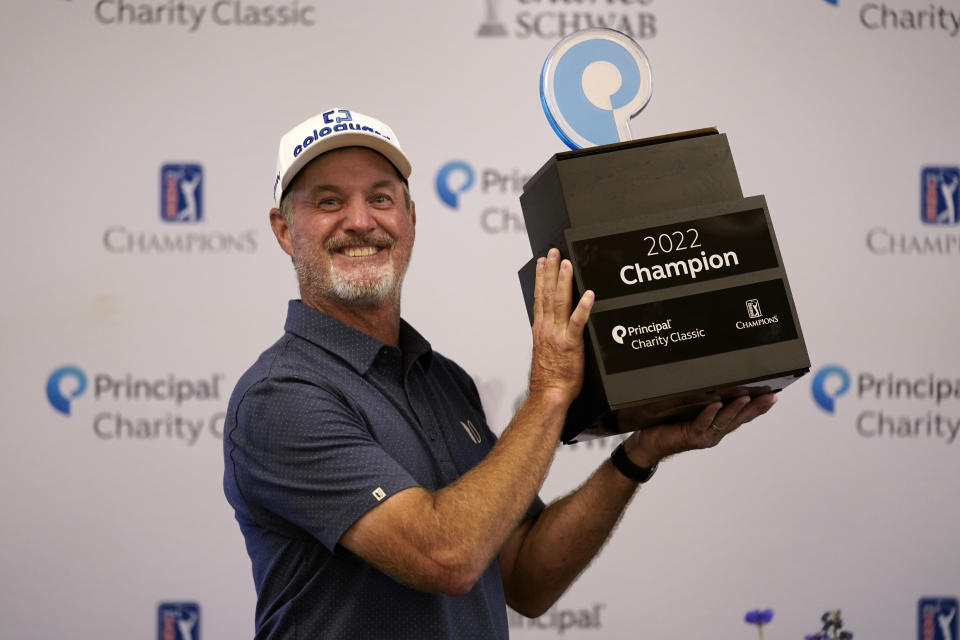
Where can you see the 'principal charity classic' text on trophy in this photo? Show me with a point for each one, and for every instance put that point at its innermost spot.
(692, 300)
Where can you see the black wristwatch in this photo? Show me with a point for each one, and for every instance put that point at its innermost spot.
(625, 466)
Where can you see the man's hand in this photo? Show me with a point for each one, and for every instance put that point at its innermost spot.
(652, 444)
(557, 365)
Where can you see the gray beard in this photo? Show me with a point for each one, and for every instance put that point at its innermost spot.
(367, 290)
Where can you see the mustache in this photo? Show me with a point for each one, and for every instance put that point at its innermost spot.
(377, 239)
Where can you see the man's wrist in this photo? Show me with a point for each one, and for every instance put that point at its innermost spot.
(545, 397)
(622, 463)
(545, 407)
(640, 452)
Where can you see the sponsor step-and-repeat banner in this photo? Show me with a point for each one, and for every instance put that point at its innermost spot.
(141, 279)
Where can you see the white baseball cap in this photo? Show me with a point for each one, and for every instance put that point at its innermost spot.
(329, 130)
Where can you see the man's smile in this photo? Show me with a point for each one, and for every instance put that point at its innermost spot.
(359, 252)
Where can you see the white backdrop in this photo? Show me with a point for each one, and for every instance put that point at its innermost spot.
(833, 109)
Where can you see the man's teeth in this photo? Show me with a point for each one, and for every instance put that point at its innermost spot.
(359, 252)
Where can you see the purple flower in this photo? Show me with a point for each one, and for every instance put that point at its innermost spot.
(759, 616)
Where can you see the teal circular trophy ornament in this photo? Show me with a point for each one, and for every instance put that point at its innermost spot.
(593, 81)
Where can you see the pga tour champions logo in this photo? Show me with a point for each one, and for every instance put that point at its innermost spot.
(181, 190)
(755, 316)
(939, 215)
(178, 621)
(181, 193)
(939, 196)
(937, 619)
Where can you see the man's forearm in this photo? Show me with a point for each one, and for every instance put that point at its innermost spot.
(486, 504)
(445, 540)
(550, 552)
(544, 557)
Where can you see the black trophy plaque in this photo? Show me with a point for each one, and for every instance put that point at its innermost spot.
(692, 299)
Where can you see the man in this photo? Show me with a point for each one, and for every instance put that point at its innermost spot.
(373, 498)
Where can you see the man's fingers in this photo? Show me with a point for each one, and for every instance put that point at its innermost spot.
(552, 289)
(740, 411)
(563, 294)
(757, 407)
(551, 266)
(557, 351)
(553, 292)
(725, 418)
(578, 319)
(538, 289)
(711, 425)
(707, 416)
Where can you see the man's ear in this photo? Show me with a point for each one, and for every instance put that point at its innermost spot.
(281, 229)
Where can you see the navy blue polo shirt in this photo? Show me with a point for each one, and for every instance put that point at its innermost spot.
(328, 423)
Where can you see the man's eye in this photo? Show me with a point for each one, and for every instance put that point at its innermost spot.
(381, 198)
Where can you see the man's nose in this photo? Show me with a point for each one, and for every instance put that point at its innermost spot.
(358, 217)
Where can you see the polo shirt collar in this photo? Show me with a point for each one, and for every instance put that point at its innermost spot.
(351, 345)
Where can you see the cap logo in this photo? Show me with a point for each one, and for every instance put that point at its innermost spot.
(346, 117)
(341, 123)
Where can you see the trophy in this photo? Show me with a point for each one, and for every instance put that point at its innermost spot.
(692, 300)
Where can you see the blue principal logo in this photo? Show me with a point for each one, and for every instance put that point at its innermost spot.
(453, 179)
(63, 385)
(494, 194)
(181, 193)
(830, 382)
(937, 619)
(592, 83)
(880, 403)
(178, 621)
(939, 195)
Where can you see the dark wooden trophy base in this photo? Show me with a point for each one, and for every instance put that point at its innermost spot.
(692, 299)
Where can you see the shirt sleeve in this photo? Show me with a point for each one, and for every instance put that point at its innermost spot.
(302, 455)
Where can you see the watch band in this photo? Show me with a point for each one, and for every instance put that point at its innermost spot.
(625, 466)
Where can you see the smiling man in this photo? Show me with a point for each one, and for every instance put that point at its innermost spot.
(347, 222)
(374, 500)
